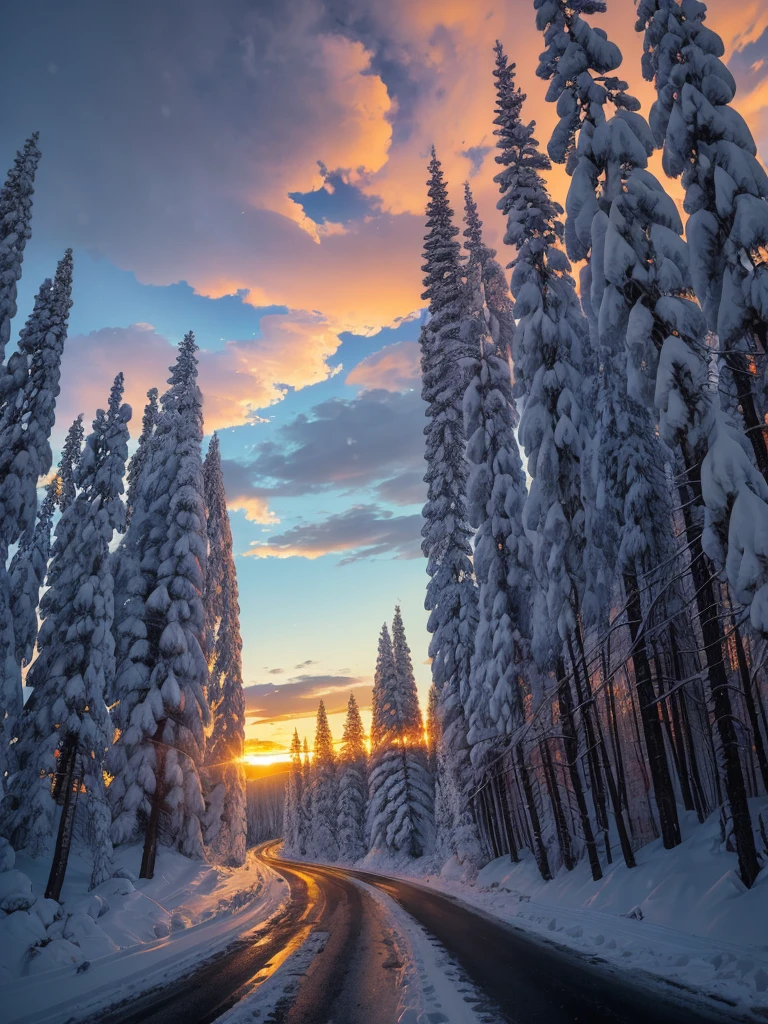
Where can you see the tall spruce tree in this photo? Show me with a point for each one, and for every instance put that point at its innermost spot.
(30, 386)
(499, 308)
(353, 786)
(400, 809)
(709, 146)
(323, 838)
(226, 813)
(220, 564)
(292, 805)
(163, 711)
(142, 453)
(451, 594)
(552, 357)
(629, 532)
(67, 729)
(305, 821)
(15, 231)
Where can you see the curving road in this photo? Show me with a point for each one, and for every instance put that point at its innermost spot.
(353, 979)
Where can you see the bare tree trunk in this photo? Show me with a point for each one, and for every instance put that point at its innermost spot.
(706, 600)
(539, 850)
(158, 799)
(649, 716)
(749, 700)
(561, 825)
(571, 747)
(70, 789)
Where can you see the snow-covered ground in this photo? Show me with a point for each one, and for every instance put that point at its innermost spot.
(681, 915)
(127, 935)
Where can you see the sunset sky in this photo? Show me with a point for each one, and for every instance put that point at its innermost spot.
(254, 170)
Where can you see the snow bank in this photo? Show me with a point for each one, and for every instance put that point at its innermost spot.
(127, 935)
(681, 915)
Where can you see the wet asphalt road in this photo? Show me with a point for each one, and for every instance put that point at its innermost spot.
(353, 979)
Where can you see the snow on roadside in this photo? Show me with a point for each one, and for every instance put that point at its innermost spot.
(274, 995)
(681, 915)
(431, 984)
(129, 935)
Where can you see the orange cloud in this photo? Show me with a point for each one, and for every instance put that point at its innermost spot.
(236, 381)
(394, 368)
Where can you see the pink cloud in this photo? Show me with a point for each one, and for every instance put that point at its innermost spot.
(236, 381)
(393, 368)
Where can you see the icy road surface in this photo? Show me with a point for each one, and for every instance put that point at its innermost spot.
(359, 948)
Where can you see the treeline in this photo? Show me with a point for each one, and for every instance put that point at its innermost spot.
(599, 618)
(342, 807)
(134, 727)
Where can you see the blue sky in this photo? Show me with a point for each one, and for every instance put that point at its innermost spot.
(256, 172)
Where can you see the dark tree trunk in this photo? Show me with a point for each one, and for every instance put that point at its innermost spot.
(618, 755)
(158, 799)
(586, 704)
(649, 716)
(706, 600)
(756, 429)
(561, 825)
(749, 700)
(571, 748)
(539, 850)
(70, 788)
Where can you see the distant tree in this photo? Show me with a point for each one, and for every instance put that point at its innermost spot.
(400, 811)
(293, 796)
(353, 786)
(323, 839)
(305, 821)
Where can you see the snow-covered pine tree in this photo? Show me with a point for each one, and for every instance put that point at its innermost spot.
(292, 803)
(629, 528)
(400, 809)
(305, 820)
(709, 146)
(499, 307)
(67, 729)
(353, 785)
(30, 563)
(226, 815)
(30, 386)
(70, 458)
(644, 297)
(433, 730)
(502, 557)
(27, 574)
(451, 594)
(220, 564)
(140, 456)
(15, 230)
(323, 838)
(501, 664)
(162, 711)
(551, 357)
